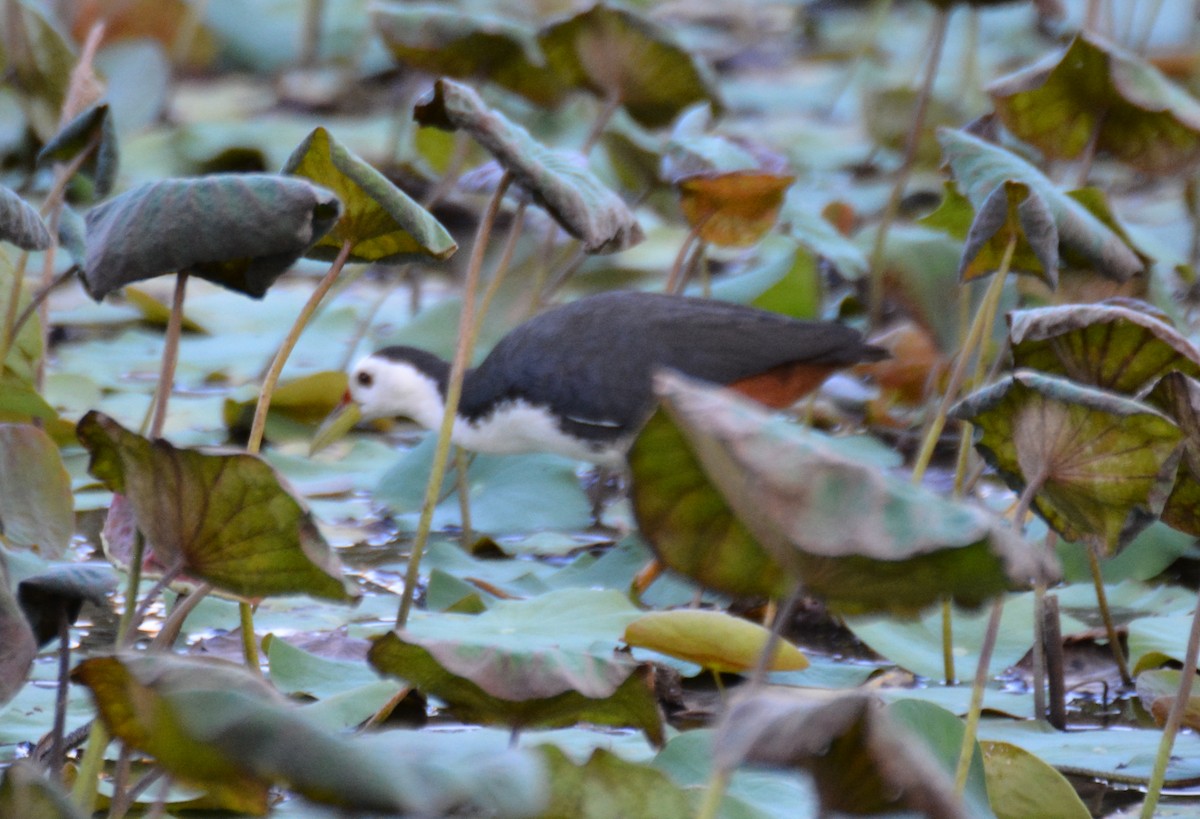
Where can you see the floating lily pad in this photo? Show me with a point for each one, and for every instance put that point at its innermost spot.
(37, 509)
(468, 46)
(93, 131)
(607, 785)
(1097, 90)
(1012, 212)
(226, 519)
(733, 209)
(1158, 691)
(861, 761)
(1111, 346)
(241, 231)
(219, 726)
(308, 399)
(20, 223)
(549, 661)
(1020, 785)
(796, 491)
(712, 639)
(1085, 241)
(1103, 464)
(380, 221)
(569, 192)
(620, 55)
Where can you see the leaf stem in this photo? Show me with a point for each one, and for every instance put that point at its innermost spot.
(892, 208)
(714, 794)
(249, 640)
(948, 671)
(1110, 628)
(8, 334)
(87, 779)
(971, 730)
(1187, 677)
(254, 444)
(983, 320)
(458, 368)
(170, 357)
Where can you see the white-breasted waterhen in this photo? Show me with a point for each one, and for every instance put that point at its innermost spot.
(576, 379)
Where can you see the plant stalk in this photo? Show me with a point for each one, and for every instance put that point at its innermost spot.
(254, 444)
(984, 317)
(971, 730)
(458, 368)
(170, 357)
(1174, 719)
(1110, 628)
(911, 144)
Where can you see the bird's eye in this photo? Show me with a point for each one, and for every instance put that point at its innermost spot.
(364, 379)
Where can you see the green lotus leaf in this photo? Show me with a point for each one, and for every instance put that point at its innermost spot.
(57, 594)
(1096, 90)
(549, 661)
(568, 191)
(39, 66)
(688, 524)
(1108, 345)
(241, 231)
(93, 131)
(1020, 784)
(37, 509)
(858, 538)
(226, 519)
(380, 221)
(1178, 396)
(619, 55)
(1012, 211)
(1084, 240)
(861, 760)
(18, 647)
(607, 785)
(1103, 463)
(21, 363)
(468, 46)
(20, 223)
(217, 725)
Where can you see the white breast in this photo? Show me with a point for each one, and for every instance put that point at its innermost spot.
(518, 426)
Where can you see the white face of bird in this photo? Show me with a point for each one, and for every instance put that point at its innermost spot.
(387, 389)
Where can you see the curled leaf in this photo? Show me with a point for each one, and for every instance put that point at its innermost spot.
(476, 46)
(712, 639)
(733, 209)
(570, 193)
(979, 167)
(620, 55)
(1111, 346)
(93, 131)
(241, 231)
(1012, 213)
(1094, 90)
(380, 221)
(37, 509)
(20, 223)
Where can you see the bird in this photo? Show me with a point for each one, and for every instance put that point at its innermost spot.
(577, 379)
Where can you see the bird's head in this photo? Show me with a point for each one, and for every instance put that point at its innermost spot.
(400, 382)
